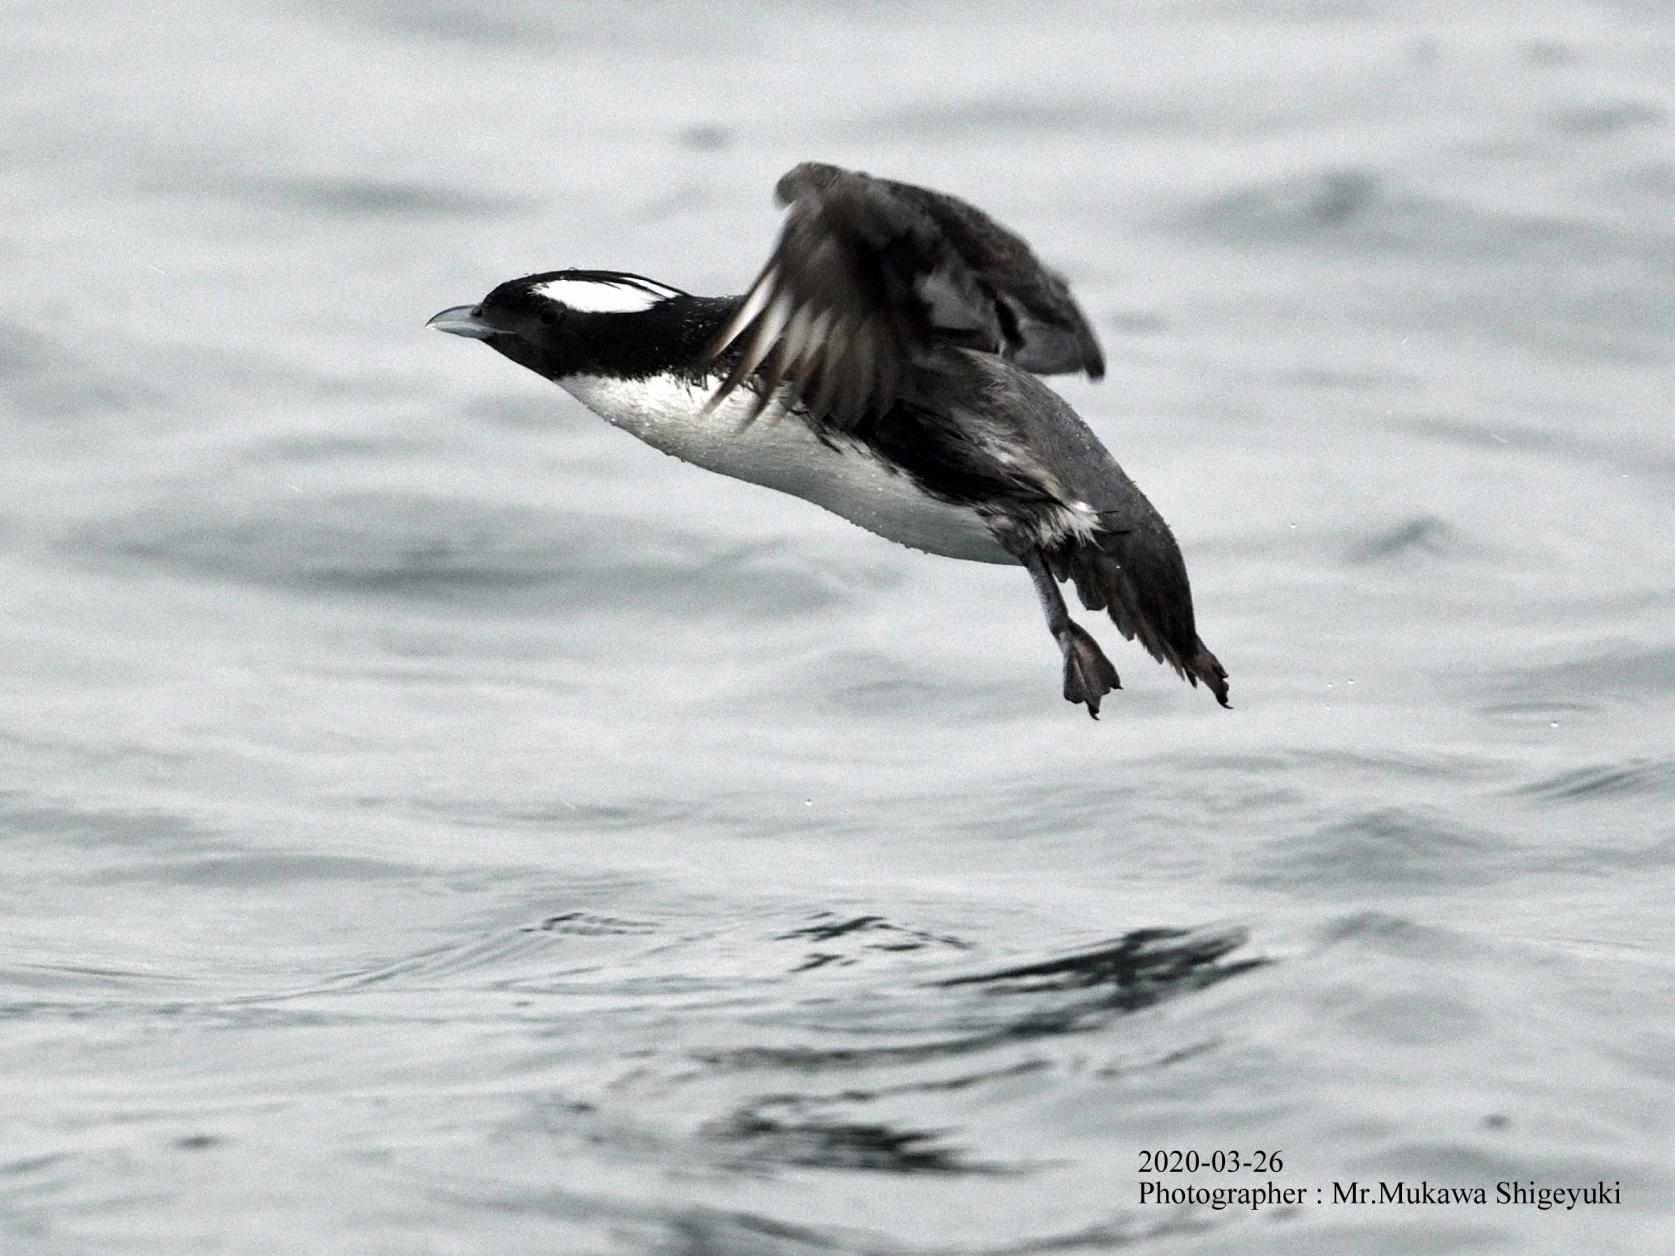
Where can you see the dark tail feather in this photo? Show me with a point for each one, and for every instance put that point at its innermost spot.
(1207, 667)
(1140, 580)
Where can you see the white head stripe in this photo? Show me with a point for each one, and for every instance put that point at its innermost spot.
(604, 296)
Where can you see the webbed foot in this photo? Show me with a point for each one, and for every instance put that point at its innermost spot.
(1088, 674)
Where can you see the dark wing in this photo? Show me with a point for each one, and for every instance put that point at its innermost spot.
(872, 278)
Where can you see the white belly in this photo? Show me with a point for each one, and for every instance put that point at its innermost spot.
(780, 451)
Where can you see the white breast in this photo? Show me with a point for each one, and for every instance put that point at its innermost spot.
(780, 451)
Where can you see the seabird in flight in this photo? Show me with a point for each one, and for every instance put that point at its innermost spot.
(884, 365)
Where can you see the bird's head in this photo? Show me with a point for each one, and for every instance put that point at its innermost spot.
(557, 322)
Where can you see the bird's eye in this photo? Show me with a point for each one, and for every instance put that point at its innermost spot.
(549, 317)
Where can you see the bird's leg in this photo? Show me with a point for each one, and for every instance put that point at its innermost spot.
(1088, 674)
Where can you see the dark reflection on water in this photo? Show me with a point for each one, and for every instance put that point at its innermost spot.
(1133, 972)
(794, 1139)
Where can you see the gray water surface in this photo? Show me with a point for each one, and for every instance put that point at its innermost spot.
(433, 823)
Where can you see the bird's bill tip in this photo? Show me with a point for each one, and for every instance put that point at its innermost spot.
(463, 320)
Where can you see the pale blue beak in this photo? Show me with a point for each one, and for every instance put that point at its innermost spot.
(464, 320)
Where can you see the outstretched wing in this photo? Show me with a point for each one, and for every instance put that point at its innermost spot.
(872, 278)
